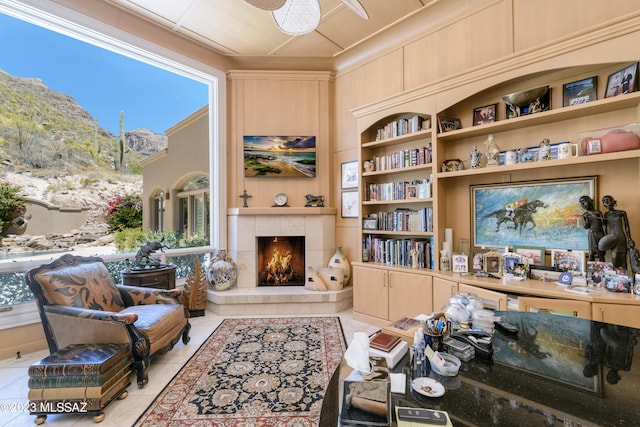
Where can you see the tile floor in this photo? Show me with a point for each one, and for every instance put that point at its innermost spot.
(13, 378)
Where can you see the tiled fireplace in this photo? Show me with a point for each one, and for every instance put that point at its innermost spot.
(245, 226)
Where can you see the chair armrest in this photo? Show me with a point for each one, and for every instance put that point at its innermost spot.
(137, 295)
(87, 313)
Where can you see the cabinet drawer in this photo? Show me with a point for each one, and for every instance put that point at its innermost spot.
(556, 306)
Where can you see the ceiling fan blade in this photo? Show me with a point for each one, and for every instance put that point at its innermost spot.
(356, 6)
(267, 4)
(298, 17)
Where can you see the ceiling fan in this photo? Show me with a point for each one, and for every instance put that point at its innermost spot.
(297, 17)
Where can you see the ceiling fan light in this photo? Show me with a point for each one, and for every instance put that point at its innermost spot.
(298, 17)
(267, 4)
(357, 7)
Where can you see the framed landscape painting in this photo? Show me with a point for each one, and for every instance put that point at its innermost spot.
(279, 156)
(531, 214)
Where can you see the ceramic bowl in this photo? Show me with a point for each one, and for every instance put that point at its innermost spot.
(525, 97)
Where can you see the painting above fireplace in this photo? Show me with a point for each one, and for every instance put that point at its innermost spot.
(281, 260)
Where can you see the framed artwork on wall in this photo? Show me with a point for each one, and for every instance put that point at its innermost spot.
(622, 81)
(349, 204)
(279, 156)
(349, 175)
(531, 214)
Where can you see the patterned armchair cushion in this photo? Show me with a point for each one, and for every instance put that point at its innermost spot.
(87, 285)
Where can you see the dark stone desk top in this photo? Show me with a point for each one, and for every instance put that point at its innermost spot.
(560, 370)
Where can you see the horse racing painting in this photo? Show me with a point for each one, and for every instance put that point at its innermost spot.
(537, 213)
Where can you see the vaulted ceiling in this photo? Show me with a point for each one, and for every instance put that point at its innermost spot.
(237, 28)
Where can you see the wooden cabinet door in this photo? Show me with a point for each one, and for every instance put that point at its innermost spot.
(491, 299)
(442, 291)
(409, 295)
(556, 306)
(370, 292)
(618, 314)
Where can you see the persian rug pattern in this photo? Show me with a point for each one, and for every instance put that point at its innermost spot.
(254, 372)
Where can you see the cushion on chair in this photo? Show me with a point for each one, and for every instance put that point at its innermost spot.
(156, 320)
(87, 285)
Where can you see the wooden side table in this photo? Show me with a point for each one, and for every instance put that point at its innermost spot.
(160, 278)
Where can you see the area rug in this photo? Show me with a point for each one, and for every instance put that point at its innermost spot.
(253, 372)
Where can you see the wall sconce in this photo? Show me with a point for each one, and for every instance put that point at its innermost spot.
(167, 194)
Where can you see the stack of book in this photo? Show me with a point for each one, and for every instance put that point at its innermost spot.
(389, 346)
(79, 378)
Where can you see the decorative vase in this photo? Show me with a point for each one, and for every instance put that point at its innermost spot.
(338, 260)
(223, 272)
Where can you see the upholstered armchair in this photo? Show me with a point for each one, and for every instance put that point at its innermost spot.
(79, 302)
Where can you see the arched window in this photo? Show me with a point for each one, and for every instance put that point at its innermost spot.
(193, 202)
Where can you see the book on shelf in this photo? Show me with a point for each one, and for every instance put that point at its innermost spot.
(80, 359)
(384, 341)
(79, 392)
(91, 380)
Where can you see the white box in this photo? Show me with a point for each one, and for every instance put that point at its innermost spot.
(392, 357)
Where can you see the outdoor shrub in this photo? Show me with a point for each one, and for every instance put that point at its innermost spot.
(11, 205)
(124, 212)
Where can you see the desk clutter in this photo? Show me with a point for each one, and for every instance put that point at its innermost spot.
(80, 378)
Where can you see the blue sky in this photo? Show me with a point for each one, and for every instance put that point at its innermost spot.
(102, 82)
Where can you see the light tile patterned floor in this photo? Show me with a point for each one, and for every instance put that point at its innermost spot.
(13, 378)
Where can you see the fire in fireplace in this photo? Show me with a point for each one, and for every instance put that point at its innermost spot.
(281, 261)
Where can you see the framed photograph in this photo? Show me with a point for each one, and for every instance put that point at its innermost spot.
(486, 114)
(530, 256)
(349, 175)
(349, 204)
(545, 273)
(411, 191)
(510, 261)
(579, 92)
(596, 272)
(567, 260)
(544, 213)
(492, 262)
(521, 271)
(446, 125)
(622, 81)
(279, 156)
(476, 257)
(369, 223)
(460, 263)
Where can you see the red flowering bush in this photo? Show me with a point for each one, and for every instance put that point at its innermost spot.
(124, 212)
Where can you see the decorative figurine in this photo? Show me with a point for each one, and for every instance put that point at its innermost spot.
(544, 152)
(475, 157)
(525, 155)
(493, 151)
(593, 221)
(143, 257)
(244, 196)
(317, 201)
(616, 224)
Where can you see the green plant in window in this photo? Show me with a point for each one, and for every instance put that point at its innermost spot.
(11, 206)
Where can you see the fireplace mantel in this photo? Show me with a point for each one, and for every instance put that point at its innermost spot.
(281, 211)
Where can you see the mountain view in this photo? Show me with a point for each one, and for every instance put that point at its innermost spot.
(53, 150)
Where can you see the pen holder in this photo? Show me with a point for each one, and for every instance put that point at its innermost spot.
(434, 341)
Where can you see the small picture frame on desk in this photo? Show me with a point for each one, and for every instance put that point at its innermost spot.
(412, 191)
(544, 273)
(460, 263)
(492, 262)
(476, 258)
(568, 260)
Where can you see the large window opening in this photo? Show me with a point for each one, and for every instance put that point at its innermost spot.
(194, 206)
